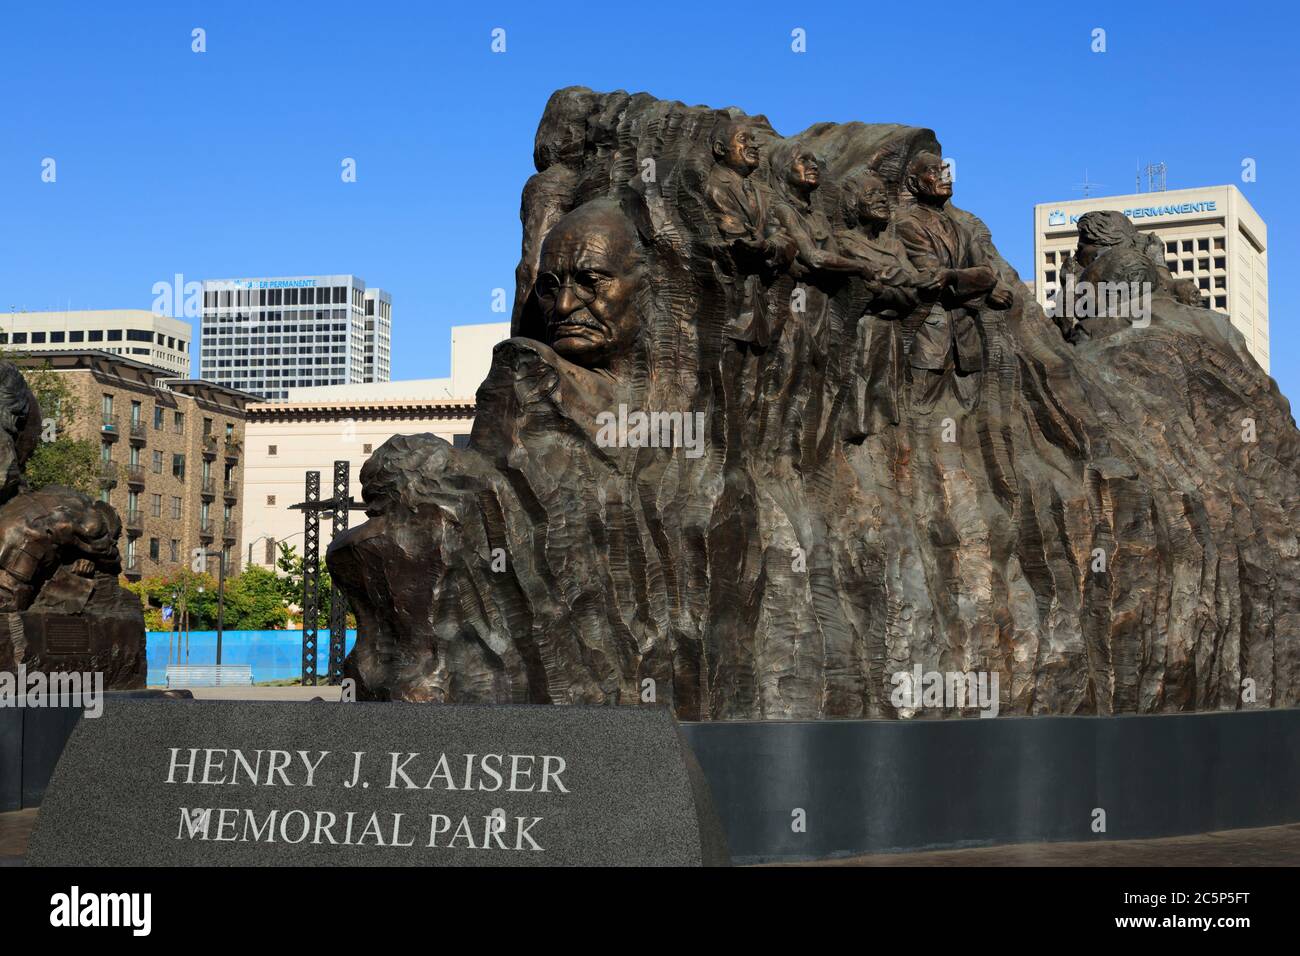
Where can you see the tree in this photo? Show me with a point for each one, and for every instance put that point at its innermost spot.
(181, 588)
(292, 569)
(60, 459)
(254, 600)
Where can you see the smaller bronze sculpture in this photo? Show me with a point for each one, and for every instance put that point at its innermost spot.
(1113, 255)
(61, 605)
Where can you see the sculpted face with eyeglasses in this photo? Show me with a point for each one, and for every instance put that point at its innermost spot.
(586, 286)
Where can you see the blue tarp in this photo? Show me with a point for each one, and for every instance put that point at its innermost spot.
(275, 655)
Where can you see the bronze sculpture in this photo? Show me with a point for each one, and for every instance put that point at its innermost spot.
(1072, 522)
(61, 605)
(945, 344)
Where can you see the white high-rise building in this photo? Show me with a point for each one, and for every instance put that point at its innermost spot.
(268, 335)
(1212, 236)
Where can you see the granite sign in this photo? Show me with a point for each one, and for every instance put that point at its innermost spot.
(216, 783)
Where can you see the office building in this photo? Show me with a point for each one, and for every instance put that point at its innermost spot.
(268, 335)
(1212, 236)
(170, 456)
(137, 334)
(319, 425)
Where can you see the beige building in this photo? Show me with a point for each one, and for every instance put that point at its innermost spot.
(137, 334)
(317, 426)
(285, 440)
(171, 457)
(1212, 236)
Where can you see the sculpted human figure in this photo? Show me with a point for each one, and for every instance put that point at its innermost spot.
(880, 369)
(956, 282)
(1112, 250)
(419, 571)
(54, 540)
(747, 238)
(800, 218)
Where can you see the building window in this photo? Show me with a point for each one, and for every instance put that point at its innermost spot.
(38, 338)
(155, 505)
(20, 338)
(271, 451)
(270, 499)
(77, 336)
(175, 549)
(157, 418)
(115, 335)
(1220, 301)
(157, 462)
(460, 441)
(96, 335)
(176, 507)
(178, 423)
(155, 549)
(178, 466)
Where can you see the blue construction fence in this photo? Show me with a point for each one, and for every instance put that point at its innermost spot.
(274, 655)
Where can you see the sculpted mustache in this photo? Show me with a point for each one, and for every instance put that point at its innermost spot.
(582, 319)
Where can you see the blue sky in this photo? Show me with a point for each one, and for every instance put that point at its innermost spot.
(227, 163)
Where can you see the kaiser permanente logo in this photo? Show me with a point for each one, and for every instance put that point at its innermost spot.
(1057, 217)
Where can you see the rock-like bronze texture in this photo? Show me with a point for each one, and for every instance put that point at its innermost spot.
(865, 451)
(62, 607)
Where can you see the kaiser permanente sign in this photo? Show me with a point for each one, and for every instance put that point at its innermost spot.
(1058, 218)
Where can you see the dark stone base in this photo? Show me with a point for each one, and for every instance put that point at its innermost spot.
(105, 635)
(32, 740)
(870, 786)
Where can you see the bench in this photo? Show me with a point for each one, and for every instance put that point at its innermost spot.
(209, 675)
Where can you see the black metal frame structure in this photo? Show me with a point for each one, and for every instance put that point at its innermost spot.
(312, 508)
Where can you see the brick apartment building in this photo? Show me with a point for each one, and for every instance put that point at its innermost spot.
(171, 456)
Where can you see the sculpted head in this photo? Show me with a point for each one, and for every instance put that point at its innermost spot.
(735, 146)
(803, 173)
(928, 179)
(866, 200)
(590, 272)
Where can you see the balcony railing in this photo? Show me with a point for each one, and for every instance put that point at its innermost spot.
(134, 521)
(234, 447)
(205, 529)
(131, 564)
(208, 486)
(135, 474)
(228, 530)
(106, 471)
(138, 429)
(230, 489)
(108, 427)
(210, 445)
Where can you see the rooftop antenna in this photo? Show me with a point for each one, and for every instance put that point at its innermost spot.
(1156, 177)
(1086, 185)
